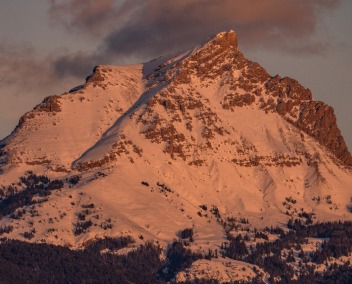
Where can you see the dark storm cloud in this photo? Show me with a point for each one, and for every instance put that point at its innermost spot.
(75, 65)
(22, 73)
(25, 79)
(19, 67)
(95, 17)
(139, 30)
(148, 28)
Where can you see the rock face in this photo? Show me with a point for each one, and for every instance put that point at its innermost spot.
(255, 86)
(315, 118)
(283, 95)
(318, 120)
(286, 96)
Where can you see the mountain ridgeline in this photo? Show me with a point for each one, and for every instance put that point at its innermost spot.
(250, 84)
(204, 146)
(218, 62)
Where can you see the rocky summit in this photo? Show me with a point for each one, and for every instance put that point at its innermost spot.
(200, 145)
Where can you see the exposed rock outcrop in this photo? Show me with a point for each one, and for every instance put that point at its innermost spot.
(283, 95)
(319, 121)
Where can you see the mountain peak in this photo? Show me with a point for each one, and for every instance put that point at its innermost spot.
(244, 83)
(206, 139)
(223, 42)
(215, 73)
(226, 38)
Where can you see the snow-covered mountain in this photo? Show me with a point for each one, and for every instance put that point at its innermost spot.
(184, 141)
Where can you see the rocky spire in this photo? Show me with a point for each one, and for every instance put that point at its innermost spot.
(226, 38)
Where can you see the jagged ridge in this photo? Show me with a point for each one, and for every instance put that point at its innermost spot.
(243, 83)
(283, 95)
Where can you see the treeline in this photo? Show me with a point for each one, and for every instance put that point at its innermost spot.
(178, 259)
(23, 262)
(109, 243)
(275, 257)
(32, 186)
(338, 237)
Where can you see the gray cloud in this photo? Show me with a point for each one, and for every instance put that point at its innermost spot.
(30, 73)
(148, 28)
(24, 81)
(75, 65)
(91, 16)
(140, 30)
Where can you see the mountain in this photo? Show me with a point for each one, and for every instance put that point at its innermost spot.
(204, 140)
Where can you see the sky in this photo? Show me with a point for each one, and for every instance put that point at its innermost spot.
(49, 46)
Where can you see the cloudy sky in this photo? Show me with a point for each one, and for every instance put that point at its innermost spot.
(50, 46)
